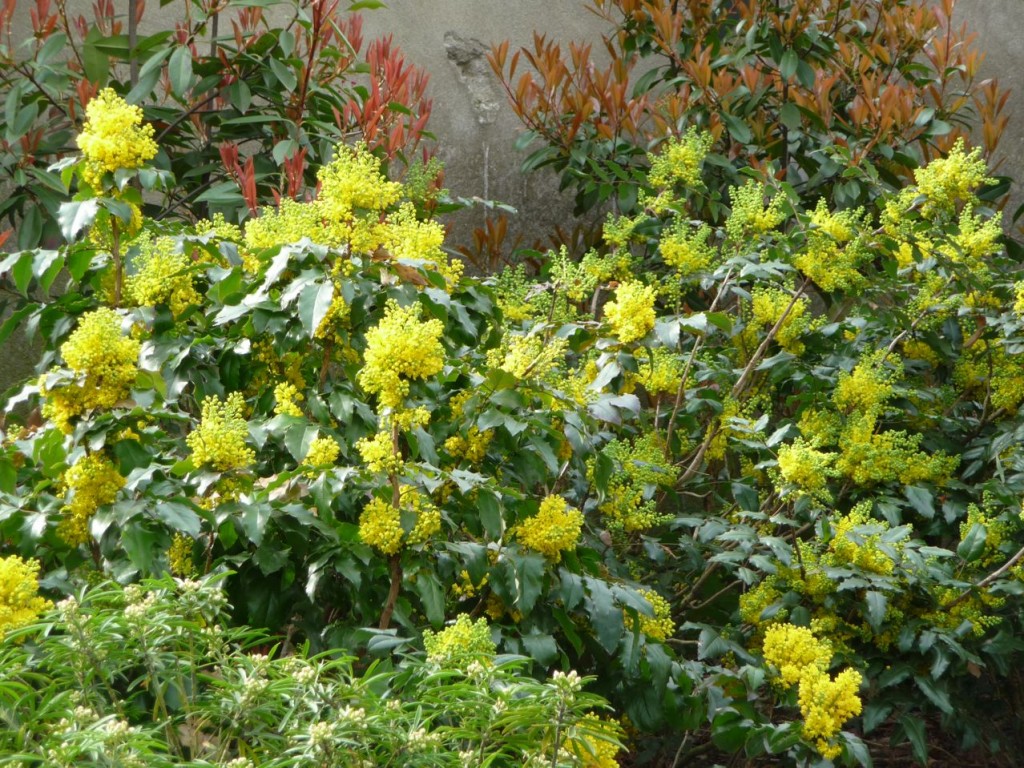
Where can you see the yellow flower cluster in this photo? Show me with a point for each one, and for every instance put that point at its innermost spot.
(976, 610)
(825, 703)
(20, 603)
(1018, 304)
(680, 160)
(641, 468)
(754, 602)
(806, 468)
(399, 348)
(287, 398)
(105, 362)
(378, 453)
(851, 545)
(179, 556)
(91, 482)
(337, 317)
(686, 249)
(750, 215)
(767, 306)
(460, 644)
(219, 440)
(162, 276)
(835, 249)
(113, 137)
(661, 372)
(868, 457)
(353, 182)
(380, 524)
(997, 531)
(631, 315)
(288, 223)
(322, 452)
(867, 387)
(987, 370)
(409, 238)
(659, 627)
(791, 650)
(593, 751)
(952, 179)
(554, 529)
(472, 447)
(533, 356)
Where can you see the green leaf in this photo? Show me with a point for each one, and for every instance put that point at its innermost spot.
(314, 301)
(284, 74)
(738, 129)
(431, 595)
(914, 728)
(254, 520)
(936, 695)
(131, 455)
(179, 68)
(605, 615)
(787, 67)
(973, 544)
(140, 545)
(490, 513)
(921, 500)
(76, 216)
(178, 517)
(22, 272)
(541, 647)
(876, 603)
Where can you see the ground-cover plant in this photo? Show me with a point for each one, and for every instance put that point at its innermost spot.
(762, 477)
(243, 106)
(834, 96)
(154, 674)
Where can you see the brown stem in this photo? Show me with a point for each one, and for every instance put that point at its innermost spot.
(396, 585)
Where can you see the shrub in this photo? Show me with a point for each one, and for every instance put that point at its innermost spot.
(153, 674)
(641, 464)
(840, 99)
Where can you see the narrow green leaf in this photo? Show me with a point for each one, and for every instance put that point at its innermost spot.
(179, 68)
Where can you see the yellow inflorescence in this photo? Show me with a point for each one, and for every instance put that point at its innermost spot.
(219, 440)
(380, 524)
(631, 316)
(378, 453)
(596, 752)
(680, 160)
(399, 348)
(323, 452)
(835, 250)
(951, 179)
(554, 529)
(113, 137)
(106, 364)
(867, 388)
(661, 373)
(179, 556)
(750, 215)
(850, 547)
(1018, 304)
(808, 469)
(472, 447)
(686, 249)
(528, 357)
(287, 398)
(767, 306)
(462, 643)
(353, 183)
(792, 650)
(92, 482)
(162, 276)
(826, 704)
(659, 627)
(409, 238)
(20, 603)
